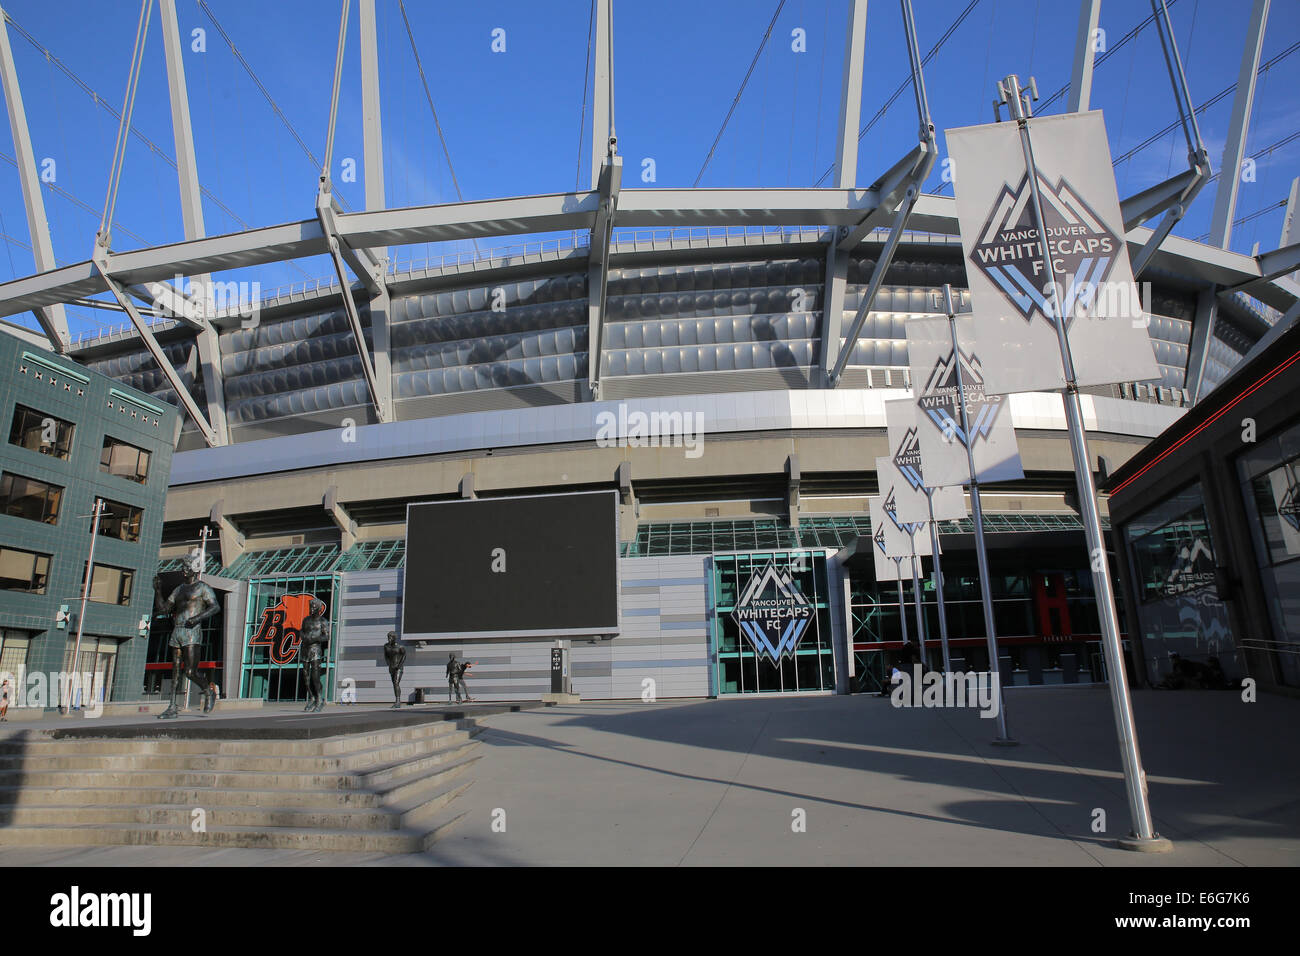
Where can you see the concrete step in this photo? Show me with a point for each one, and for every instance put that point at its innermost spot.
(81, 760)
(382, 778)
(383, 790)
(265, 837)
(43, 743)
(321, 798)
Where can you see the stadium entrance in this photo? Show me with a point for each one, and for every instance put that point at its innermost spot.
(272, 668)
(772, 622)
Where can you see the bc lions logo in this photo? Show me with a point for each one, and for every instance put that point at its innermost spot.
(281, 627)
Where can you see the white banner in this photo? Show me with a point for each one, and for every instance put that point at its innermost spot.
(883, 535)
(1015, 331)
(895, 492)
(914, 468)
(934, 381)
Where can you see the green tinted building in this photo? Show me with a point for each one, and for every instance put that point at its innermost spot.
(71, 436)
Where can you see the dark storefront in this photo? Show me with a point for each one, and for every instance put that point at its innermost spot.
(1044, 610)
(1209, 517)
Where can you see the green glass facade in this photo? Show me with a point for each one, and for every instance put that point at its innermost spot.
(273, 671)
(743, 668)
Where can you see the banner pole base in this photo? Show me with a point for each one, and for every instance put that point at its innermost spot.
(1005, 742)
(1153, 844)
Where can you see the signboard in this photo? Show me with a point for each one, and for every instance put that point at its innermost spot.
(906, 503)
(528, 566)
(901, 420)
(773, 613)
(892, 488)
(939, 421)
(886, 538)
(1015, 324)
(281, 627)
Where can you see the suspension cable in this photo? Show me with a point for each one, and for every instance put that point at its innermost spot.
(907, 82)
(735, 100)
(266, 95)
(424, 81)
(582, 116)
(1206, 105)
(119, 147)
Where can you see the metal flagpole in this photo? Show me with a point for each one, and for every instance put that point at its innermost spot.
(902, 605)
(938, 581)
(1143, 836)
(977, 513)
(916, 598)
(85, 593)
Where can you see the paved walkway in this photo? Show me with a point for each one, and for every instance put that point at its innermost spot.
(719, 782)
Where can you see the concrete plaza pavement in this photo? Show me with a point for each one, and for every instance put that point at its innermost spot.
(720, 782)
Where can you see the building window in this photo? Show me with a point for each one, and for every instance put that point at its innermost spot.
(41, 432)
(14, 646)
(29, 498)
(124, 460)
(120, 521)
(111, 585)
(23, 570)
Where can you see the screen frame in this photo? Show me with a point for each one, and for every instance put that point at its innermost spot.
(540, 634)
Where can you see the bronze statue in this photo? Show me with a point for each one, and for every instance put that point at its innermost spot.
(395, 655)
(190, 604)
(315, 635)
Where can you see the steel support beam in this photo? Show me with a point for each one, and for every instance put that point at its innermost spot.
(600, 105)
(846, 138)
(1156, 199)
(888, 192)
(381, 392)
(209, 349)
(877, 278)
(1081, 74)
(103, 264)
(1207, 311)
(845, 174)
(52, 316)
(897, 190)
(1225, 197)
(377, 259)
(602, 230)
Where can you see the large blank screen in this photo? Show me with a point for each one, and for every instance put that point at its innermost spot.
(534, 566)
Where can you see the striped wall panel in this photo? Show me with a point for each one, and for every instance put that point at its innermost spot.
(664, 638)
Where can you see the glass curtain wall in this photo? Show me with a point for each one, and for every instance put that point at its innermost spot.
(1270, 484)
(273, 670)
(745, 666)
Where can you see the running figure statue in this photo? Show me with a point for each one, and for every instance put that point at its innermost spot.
(395, 656)
(315, 635)
(192, 603)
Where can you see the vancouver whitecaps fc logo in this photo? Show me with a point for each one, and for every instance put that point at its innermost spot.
(907, 459)
(1082, 249)
(772, 613)
(1289, 509)
(939, 398)
(891, 509)
(879, 540)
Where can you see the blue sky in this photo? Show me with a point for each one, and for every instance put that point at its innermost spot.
(512, 119)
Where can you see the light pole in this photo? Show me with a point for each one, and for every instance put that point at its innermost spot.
(85, 593)
(1144, 836)
(977, 515)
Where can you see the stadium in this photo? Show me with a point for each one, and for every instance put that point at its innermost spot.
(716, 359)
